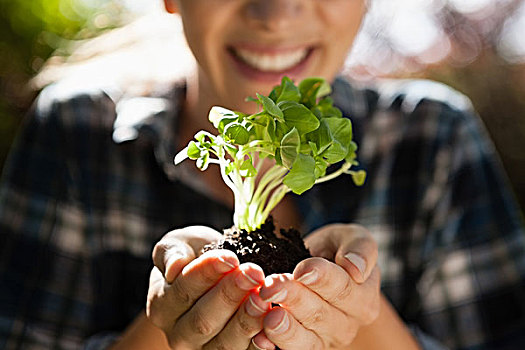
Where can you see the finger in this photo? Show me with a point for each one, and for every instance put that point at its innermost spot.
(156, 298)
(283, 330)
(328, 280)
(179, 247)
(243, 326)
(199, 276)
(308, 308)
(171, 256)
(357, 255)
(166, 302)
(210, 314)
(350, 246)
(333, 284)
(261, 342)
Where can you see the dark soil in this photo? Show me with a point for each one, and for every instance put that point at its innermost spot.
(275, 253)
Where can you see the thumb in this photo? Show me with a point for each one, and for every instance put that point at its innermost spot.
(350, 246)
(178, 247)
(357, 252)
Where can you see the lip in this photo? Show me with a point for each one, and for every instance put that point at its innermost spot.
(273, 77)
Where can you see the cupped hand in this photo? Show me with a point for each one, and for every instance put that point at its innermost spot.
(323, 304)
(207, 301)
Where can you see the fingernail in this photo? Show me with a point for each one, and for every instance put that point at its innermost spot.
(245, 281)
(253, 306)
(256, 346)
(225, 266)
(282, 326)
(259, 347)
(277, 297)
(169, 273)
(309, 277)
(357, 261)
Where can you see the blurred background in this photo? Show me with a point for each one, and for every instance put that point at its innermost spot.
(475, 46)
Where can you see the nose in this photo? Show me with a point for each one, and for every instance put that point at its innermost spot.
(274, 15)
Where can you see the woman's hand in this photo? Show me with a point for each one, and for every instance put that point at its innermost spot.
(324, 304)
(207, 301)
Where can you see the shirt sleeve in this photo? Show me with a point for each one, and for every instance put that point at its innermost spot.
(472, 289)
(44, 278)
(28, 198)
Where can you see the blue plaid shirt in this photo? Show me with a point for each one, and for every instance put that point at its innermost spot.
(90, 186)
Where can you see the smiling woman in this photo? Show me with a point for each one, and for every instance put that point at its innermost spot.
(262, 41)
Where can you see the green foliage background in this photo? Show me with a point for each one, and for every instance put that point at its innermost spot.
(30, 31)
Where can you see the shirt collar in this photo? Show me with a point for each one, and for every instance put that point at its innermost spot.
(153, 117)
(349, 99)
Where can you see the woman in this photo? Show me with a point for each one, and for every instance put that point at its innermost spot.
(450, 239)
(245, 47)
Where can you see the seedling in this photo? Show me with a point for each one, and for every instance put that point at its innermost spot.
(297, 128)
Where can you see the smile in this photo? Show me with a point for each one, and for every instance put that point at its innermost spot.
(272, 62)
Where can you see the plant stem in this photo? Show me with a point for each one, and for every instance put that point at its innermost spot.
(335, 174)
(269, 176)
(276, 197)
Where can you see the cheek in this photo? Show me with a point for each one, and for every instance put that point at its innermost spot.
(197, 31)
(200, 39)
(339, 40)
(345, 19)
(345, 27)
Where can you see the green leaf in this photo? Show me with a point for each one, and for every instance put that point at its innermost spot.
(359, 177)
(298, 116)
(313, 88)
(351, 156)
(229, 168)
(335, 153)
(281, 129)
(341, 131)
(326, 108)
(320, 168)
(353, 146)
(260, 118)
(285, 104)
(247, 169)
(193, 150)
(270, 129)
(278, 160)
(218, 113)
(302, 175)
(289, 92)
(290, 147)
(274, 94)
(313, 147)
(305, 148)
(270, 107)
(203, 161)
(224, 123)
(322, 137)
(237, 134)
(200, 136)
(232, 151)
(264, 126)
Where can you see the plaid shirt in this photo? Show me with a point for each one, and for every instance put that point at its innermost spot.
(90, 186)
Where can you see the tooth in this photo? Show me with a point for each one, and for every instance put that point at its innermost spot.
(272, 62)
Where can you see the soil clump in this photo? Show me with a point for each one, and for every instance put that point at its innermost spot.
(274, 252)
